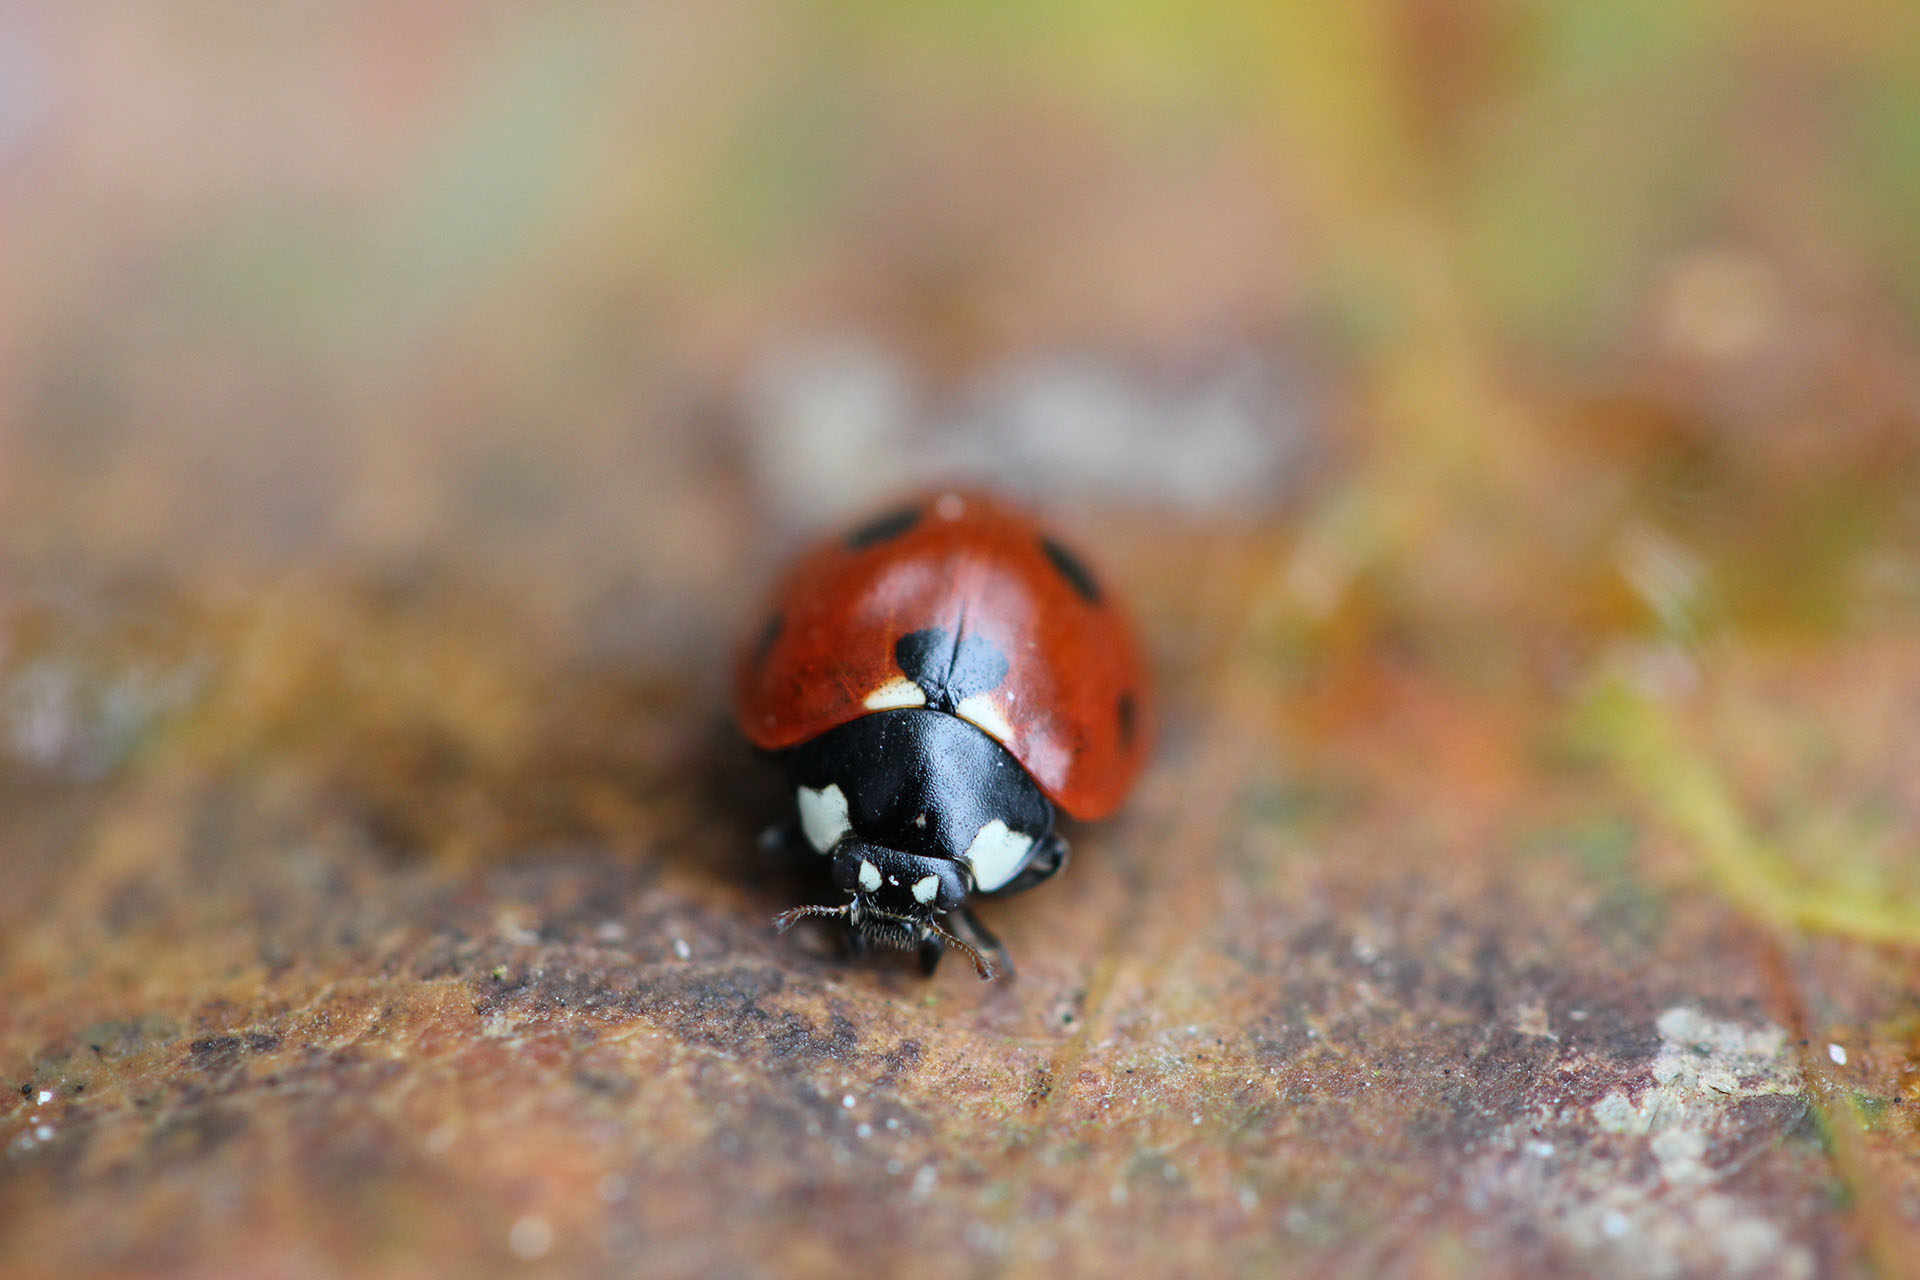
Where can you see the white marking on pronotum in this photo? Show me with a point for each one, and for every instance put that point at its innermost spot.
(980, 709)
(926, 888)
(823, 815)
(996, 855)
(869, 876)
(898, 692)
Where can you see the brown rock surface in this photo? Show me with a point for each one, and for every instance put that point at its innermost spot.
(404, 936)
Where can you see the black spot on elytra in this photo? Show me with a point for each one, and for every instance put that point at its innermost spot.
(1073, 569)
(768, 634)
(1127, 716)
(949, 670)
(883, 527)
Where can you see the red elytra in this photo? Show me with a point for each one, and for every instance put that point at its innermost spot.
(1073, 707)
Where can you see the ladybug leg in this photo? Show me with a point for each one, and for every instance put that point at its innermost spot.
(983, 938)
(780, 839)
(930, 952)
(1047, 860)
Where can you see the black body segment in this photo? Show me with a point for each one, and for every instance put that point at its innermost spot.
(924, 783)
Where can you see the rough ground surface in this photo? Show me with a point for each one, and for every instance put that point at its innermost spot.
(352, 928)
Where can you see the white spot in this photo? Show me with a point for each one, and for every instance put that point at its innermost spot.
(530, 1237)
(46, 1096)
(44, 1133)
(681, 949)
(863, 1131)
(949, 506)
(898, 692)
(869, 876)
(847, 1100)
(926, 888)
(996, 855)
(823, 816)
(980, 710)
(1838, 1054)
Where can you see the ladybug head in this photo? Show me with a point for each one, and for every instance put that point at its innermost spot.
(895, 898)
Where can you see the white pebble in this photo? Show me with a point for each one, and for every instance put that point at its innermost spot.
(46, 1096)
(1838, 1054)
(530, 1238)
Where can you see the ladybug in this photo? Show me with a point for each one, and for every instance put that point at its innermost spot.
(938, 680)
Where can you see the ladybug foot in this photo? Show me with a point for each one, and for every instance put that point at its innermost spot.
(983, 941)
(780, 838)
(936, 945)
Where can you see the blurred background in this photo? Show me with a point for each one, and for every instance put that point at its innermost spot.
(401, 405)
(511, 282)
